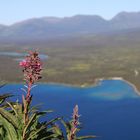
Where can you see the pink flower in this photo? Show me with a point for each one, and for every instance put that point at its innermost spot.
(32, 67)
(23, 63)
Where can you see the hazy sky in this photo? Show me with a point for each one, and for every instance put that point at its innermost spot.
(16, 10)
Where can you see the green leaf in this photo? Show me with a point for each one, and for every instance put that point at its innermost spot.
(35, 133)
(9, 117)
(4, 97)
(58, 131)
(11, 133)
(53, 120)
(67, 126)
(12, 108)
(32, 119)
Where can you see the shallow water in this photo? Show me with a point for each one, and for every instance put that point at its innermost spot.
(110, 110)
(15, 54)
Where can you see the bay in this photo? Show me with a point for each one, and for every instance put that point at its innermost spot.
(110, 110)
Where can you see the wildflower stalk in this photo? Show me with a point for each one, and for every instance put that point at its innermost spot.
(32, 72)
(74, 123)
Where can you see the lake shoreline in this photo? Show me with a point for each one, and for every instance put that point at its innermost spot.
(96, 82)
(121, 79)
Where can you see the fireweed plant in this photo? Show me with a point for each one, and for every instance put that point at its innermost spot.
(32, 68)
(74, 124)
(20, 121)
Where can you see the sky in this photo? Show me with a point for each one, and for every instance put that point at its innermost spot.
(12, 11)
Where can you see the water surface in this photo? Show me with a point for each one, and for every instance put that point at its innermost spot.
(110, 110)
(21, 55)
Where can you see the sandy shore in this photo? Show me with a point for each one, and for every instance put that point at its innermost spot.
(135, 88)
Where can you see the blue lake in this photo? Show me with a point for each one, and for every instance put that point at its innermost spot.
(110, 110)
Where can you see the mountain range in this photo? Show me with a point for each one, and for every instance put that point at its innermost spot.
(79, 25)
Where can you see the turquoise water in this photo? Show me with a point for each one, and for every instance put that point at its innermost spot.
(15, 54)
(110, 110)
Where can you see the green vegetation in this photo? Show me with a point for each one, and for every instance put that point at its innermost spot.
(78, 64)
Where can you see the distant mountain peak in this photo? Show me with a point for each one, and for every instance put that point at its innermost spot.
(126, 15)
(87, 17)
(53, 27)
